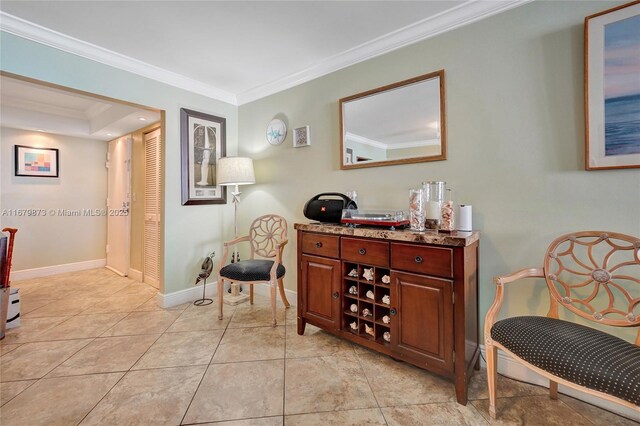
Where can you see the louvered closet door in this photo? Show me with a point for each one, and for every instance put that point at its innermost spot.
(152, 171)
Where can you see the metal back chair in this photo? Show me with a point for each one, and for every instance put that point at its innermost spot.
(267, 238)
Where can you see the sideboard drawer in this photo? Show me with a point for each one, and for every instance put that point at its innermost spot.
(364, 251)
(422, 260)
(321, 245)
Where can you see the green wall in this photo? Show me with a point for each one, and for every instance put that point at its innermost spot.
(191, 232)
(514, 93)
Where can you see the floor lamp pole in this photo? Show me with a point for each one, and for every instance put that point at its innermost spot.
(235, 297)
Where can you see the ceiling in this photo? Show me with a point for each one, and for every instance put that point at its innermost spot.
(30, 106)
(237, 51)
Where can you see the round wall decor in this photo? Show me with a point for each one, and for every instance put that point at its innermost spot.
(276, 131)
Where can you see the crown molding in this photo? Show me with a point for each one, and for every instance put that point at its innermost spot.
(34, 32)
(466, 13)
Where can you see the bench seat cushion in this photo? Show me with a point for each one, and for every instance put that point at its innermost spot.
(573, 352)
(251, 270)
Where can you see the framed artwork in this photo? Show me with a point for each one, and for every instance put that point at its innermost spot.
(301, 137)
(203, 142)
(36, 162)
(612, 88)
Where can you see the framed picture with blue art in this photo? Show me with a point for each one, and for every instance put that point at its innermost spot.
(612, 88)
(36, 162)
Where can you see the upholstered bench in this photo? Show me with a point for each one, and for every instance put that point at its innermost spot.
(596, 275)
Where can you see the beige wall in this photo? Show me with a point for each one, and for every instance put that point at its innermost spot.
(515, 143)
(55, 239)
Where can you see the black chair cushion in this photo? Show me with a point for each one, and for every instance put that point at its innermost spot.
(251, 270)
(576, 353)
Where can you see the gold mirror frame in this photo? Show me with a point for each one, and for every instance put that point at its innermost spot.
(443, 128)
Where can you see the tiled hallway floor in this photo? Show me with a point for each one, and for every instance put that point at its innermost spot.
(94, 348)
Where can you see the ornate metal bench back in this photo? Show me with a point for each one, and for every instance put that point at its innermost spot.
(265, 233)
(596, 275)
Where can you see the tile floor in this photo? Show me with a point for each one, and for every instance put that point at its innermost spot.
(94, 348)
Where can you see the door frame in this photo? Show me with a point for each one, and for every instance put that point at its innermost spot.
(127, 243)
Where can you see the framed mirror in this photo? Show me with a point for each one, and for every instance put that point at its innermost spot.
(399, 123)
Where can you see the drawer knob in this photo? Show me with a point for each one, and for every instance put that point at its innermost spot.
(336, 295)
(318, 244)
(418, 259)
(362, 251)
(393, 311)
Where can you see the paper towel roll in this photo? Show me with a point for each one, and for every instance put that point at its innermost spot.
(465, 222)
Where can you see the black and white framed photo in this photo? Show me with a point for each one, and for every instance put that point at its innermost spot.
(203, 142)
(36, 162)
(301, 137)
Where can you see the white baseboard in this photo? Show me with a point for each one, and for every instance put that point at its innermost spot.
(27, 274)
(509, 367)
(191, 294)
(136, 275)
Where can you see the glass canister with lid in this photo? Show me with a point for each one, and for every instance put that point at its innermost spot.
(434, 193)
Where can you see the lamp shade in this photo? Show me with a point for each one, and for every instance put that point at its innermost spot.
(235, 171)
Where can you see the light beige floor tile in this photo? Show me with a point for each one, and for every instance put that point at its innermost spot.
(137, 289)
(438, 414)
(478, 388)
(31, 330)
(152, 305)
(8, 390)
(143, 323)
(200, 318)
(398, 383)
(59, 401)
(597, 415)
(108, 354)
(531, 410)
(181, 349)
(262, 421)
(238, 391)
(29, 303)
(64, 307)
(364, 417)
(326, 384)
(84, 326)
(148, 397)
(315, 342)
(255, 316)
(5, 349)
(251, 344)
(117, 303)
(34, 360)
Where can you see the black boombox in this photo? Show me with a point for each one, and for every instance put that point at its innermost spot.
(328, 209)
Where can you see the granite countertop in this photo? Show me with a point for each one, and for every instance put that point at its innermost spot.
(454, 238)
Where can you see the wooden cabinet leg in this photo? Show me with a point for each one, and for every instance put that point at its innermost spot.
(461, 390)
(302, 324)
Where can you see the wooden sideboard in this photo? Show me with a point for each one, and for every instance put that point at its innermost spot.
(432, 314)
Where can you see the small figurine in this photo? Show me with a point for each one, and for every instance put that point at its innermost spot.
(369, 330)
(386, 279)
(386, 336)
(353, 273)
(354, 308)
(386, 299)
(370, 295)
(366, 312)
(386, 319)
(354, 325)
(353, 290)
(368, 274)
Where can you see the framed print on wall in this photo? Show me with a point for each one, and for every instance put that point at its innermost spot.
(612, 88)
(36, 162)
(203, 142)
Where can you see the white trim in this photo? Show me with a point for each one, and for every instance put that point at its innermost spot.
(34, 32)
(364, 140)
(27, 274)
(136, 275)
(187, 295)
(377, 144)
(463, 14)
(509, 367)
(466, 13)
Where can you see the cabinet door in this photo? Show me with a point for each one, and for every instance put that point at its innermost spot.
(321, 290)
(422, 327)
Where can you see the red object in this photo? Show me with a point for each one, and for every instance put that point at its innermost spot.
(12, 233)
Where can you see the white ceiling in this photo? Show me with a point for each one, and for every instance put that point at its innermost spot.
(237, 51)
(30, 106)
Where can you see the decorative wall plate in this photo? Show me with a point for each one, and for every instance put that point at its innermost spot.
(276, 131)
